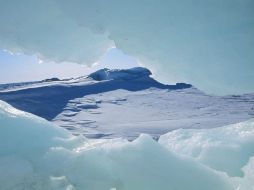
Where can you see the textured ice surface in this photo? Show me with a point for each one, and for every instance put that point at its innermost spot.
(126, 103)
(225, 149)
(35, 154)
(206, 43)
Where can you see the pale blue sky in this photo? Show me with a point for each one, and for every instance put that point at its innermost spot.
(19, 68)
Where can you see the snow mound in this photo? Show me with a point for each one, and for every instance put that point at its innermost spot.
(37, 97)
(120, 74)
(34, 154)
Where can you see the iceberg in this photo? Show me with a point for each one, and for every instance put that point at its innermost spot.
(36, 154)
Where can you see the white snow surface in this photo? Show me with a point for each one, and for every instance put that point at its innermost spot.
(126, 103)
(35, 154)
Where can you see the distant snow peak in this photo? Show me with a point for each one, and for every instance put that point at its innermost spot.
(120, 74)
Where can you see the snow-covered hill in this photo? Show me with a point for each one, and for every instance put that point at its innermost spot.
(125, 103)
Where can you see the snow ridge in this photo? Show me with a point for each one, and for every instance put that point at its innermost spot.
(120, 74)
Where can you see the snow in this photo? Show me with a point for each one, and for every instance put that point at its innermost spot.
(35, 154)
(126, 103)
(48, 157)
(120, 74)
(206, 43)
(195, 147)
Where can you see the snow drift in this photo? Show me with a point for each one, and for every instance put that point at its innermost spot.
(206, 43)
(120, 74)
(35, 154)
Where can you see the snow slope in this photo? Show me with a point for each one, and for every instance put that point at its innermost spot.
(126, 103)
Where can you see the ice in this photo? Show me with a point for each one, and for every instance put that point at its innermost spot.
(35, 154)
(226, 149)
(206, 43)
